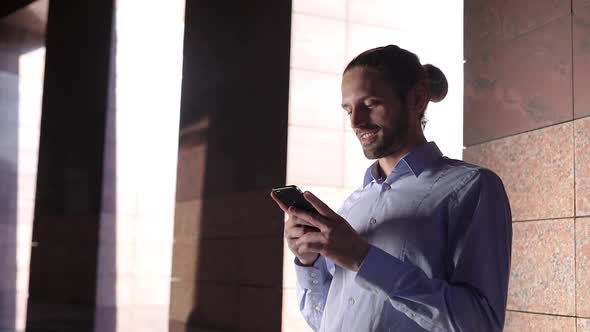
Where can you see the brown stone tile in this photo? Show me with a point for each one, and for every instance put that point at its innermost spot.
(582, 170)
(583, 267)
(500, 99)
(191, 172)
(578, 4)
(218, 260)
(542, 270)
(581, 47)
(187, 221)
(310, 152)
(315, 100)
(317, 43)
(537, 170)
(250, 213)
(254, 301)
(525, 322)
(487, 22)
(258, 214)
(260, 260)
(209, 304)
(583, 325)
(325, 8)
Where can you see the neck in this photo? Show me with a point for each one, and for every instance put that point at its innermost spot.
(387, 163)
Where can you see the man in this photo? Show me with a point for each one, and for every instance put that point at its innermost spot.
(425, 243)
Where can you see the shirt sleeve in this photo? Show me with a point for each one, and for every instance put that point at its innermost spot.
(313, 283)
(473, 298)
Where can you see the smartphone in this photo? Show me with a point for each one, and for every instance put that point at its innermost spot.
(293, 196)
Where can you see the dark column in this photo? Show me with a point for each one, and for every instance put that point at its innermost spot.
(62, 289)
(227, 265)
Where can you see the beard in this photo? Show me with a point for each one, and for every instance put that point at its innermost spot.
(389, 140)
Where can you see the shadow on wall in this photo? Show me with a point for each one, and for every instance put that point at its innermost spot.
(106, 284)
(20, 32)
(227, 260)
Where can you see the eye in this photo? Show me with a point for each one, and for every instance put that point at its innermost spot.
(370, 104)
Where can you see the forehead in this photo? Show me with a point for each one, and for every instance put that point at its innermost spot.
(358, 82)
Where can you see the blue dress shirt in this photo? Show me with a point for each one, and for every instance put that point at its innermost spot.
(440, 233)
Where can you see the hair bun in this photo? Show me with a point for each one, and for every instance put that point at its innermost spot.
(437, 83)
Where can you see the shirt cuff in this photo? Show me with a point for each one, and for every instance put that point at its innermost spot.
(312, 277)
(378, 271)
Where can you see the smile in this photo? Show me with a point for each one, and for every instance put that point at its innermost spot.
(367, 137)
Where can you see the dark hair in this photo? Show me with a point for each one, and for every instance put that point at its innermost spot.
(403, 70)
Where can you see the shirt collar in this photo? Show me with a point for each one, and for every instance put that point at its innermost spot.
(416, 161)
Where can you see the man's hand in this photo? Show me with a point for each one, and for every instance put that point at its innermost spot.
(336, 240)
(294, 229)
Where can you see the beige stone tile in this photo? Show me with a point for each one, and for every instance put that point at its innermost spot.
(525, 322)
(317, 43)
(153, 258)
(118, 228)
(151, 291)
(315, 100)
(289, 276)
(325, 8)
(364, 37)
(116, 259)
(314, 157)
(114, 290)
(332, 196)
(400, 14)
(536, 168)
(583, 267)
(150, 318)
(583, 325)
(582, 166)
(542, 272)
(292, 319)
(355, 163)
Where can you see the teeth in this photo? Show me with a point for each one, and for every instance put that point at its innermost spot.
(366, 135)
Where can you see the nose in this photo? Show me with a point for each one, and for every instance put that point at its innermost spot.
(359, 117)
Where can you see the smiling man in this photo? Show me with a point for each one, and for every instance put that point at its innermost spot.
(425, 243)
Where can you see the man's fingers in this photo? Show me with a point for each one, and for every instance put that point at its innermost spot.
(296, 232)
(311, 242)
(309, 218)
(320, 206)
(279, 203)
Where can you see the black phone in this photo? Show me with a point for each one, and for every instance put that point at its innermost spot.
(293, 196)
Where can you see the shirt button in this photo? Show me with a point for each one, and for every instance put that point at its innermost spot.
(314, 281)
(351, 301)
(373, 221)
(318, 308)
(313, 274)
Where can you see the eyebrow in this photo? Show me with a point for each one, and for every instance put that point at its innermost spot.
(363, 98)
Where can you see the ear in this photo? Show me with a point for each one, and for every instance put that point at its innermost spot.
(418, 98)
